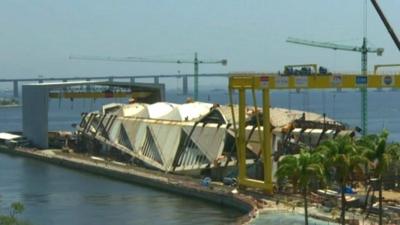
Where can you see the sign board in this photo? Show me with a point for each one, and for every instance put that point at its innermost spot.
(336, 80)
(281, 82)
(264, 82)
(387, 81)
(361, 81)
(301, 82)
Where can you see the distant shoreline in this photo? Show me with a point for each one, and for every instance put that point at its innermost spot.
(10, 106)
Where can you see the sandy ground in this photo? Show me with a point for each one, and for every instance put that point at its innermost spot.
(391, 195)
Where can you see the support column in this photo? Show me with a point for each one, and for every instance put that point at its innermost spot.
(132, 79)
(111, 79)
(16, 92)
(65, 88)
(196, 77)
(185, 85)
(35, 114)
(156, 80)
(88, 85)
(267, 145)
(364, 92)
(242, 136)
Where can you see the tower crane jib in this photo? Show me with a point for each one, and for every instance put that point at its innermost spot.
(195, 62)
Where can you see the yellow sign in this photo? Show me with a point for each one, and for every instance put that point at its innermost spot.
(314, 81)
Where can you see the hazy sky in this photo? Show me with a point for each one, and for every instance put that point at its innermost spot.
(37, 36)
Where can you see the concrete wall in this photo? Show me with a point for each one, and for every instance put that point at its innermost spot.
(35, 114)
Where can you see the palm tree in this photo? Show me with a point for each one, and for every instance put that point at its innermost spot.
(394, 152)
(380, 155)
(341, 160)
(301, 169)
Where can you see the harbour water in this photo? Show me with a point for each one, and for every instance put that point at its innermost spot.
(55, 195)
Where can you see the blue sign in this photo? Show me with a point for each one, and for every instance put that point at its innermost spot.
(361, 80)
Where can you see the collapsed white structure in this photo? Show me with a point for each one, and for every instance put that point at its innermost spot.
(193, 136)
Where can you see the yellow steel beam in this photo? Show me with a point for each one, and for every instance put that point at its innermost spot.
(242, 135)
(264, 82)
(267, 145)
(260, 81)
(254, 183)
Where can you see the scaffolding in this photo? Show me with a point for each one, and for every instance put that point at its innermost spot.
(242, 83)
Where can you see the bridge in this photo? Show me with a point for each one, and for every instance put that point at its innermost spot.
(132, 79)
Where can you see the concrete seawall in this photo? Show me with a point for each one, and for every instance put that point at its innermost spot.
(181, 185)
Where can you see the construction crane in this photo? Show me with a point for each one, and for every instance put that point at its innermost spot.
(386, 23)
(363, 48)
(364, 51)
(195, 62)
(364, 66)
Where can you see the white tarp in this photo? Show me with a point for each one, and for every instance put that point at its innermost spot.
(8, 136)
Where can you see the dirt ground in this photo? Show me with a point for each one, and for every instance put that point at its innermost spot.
(392, 195)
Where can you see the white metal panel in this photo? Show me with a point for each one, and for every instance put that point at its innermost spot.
(111, 106)
(210, 139)
(329, 133)
(167, 138)
(135, 130)
(314, 135)
(114, 131)
(188, 111)
(159, 109)
(137, 110)
(296, 132)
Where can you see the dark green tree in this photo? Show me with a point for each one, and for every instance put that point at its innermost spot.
(380, 154)
(341, 160)
(15, 209)
(300, 170)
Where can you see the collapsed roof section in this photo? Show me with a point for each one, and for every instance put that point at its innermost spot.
(214, 113)
(193, 136)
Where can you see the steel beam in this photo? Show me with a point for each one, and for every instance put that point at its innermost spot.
(185, 85)
(60, 78)
(242, 136)
(267, 142)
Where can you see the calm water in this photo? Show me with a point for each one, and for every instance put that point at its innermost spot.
(55, 195)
